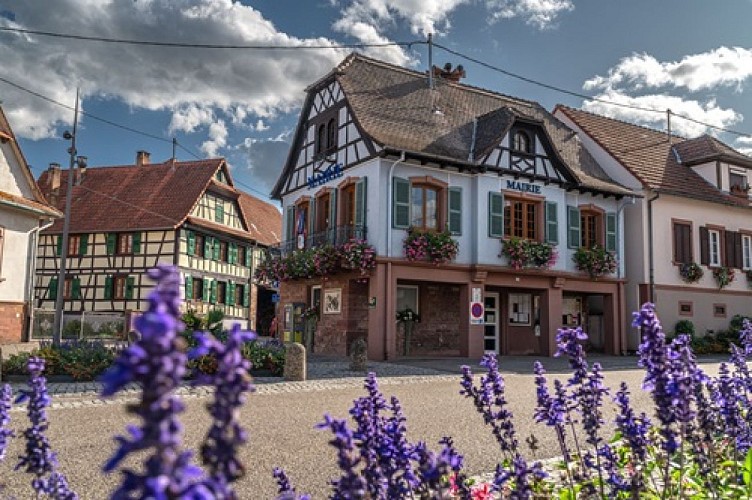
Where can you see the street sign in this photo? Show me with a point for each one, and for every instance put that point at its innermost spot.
(275, 298)
(476, 306)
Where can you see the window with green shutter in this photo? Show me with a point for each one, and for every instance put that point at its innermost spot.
(573, 227)
(76, 288)
(215, 249)
(188, 288)
(59, 249)
(248, 256)
(233, 253)
(213, 292)
(360, 201)
(219, 212)
(207, 289)
(208, 252)
(111, 243)
(246, 295)
(191, 242)
(611, 231)
(400, 203)
(455, 210)
(136, 242)
(130, 284)
(230, 293)
(52, 289)
(290, 224)
(552, 223)
(83, 244)
(108, 282)
(495, 215)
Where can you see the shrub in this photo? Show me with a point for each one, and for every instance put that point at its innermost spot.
(684, 327)
(74, 330)
(81, 360)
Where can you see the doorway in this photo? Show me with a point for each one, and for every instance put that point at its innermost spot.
(491, 322)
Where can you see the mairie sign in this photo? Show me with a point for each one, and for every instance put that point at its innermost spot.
(523, 187)
(332, 172)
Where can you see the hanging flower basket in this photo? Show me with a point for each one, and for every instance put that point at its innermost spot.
(432, 246)
(723, 276)
(691, 272)
(529, 254)
(596, 261)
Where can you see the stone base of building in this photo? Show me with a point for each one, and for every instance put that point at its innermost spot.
(12, 322)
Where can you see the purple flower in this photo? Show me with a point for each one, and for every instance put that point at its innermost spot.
(351, 484)
(6, 396)
(157, 364)
(633, 429)
(569, 343)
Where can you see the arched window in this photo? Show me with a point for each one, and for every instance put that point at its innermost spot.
(331, 132)
(321, 139)
(521, 142)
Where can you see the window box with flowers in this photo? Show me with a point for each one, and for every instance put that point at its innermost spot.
(524, 253)
(723, 276)
(596, 261)
(691, 272)
(436, 247)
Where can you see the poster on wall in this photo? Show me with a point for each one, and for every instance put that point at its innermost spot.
(333, 301)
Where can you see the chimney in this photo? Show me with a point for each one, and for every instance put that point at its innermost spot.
(54, 177)
(447, 73)
(142, 158)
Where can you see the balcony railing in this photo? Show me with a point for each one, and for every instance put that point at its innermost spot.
(333, 236)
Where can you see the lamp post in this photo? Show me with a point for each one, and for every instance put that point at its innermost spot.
(80, 161)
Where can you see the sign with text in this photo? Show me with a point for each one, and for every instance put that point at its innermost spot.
(333, 171)
(523, 187)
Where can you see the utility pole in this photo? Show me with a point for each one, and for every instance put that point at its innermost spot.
(57, 326)
(430, 61)
(668, 124)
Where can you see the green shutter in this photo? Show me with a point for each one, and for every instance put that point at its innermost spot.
(552, 223)
(290, 224)
(332, 215)
(191, 238)
(52, 289)
(207, 247)
(611, 231)
(215, 248)
(207, 289)
(188, 288)
(83, 244)
(455, 210)
(573, 227)
(129, 285)
(76, 288)
(360, 201)
(59, 249)
(108, 287)
(495, 215)
(312, 217)
(400, 203)
(136, 242)
(231, 248)
(246, 295)
(230, 293)
(111, 242)
(248, 256)
(213, 292)
(219, 212)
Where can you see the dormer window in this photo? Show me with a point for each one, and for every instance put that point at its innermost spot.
(326, 137)
(738, 183)
(521, 142)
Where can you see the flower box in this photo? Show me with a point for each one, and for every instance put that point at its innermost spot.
(596, 261)
(691, 272)
(723, 276)
(432, 246)
(529, 254)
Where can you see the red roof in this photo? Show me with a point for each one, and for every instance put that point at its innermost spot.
(651, 158)
(123, 198)
(264, 220)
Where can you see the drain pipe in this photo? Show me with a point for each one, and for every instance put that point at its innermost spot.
(32, 271)
(651, 259)
(388, 287)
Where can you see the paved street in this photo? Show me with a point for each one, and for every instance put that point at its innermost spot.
(281, 419)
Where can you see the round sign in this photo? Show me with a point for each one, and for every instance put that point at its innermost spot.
(476, 310)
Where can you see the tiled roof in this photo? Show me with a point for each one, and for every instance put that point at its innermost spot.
(705, 148)
(11, 199)
(264, 220)
(122, 198)
(649, 156)
(396, 108)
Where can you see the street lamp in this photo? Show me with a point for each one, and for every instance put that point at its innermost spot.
(80, 162)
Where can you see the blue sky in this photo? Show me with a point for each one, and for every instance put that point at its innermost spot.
(693, 56)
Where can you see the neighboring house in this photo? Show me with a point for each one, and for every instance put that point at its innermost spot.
(377, 151)
(23, 211)
(695, 209)
(127, 219)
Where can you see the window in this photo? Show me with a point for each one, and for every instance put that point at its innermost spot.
(219, 211)
(521, 218)
(321, 139)
(737, 181)
(714, 255)
(685, 308)
(407, 297)
(315, 298)
(200, 242)
(424, 207)
(331, 135)
(74, 244)
(223, 251)
(322, 212)
(120, 287)
(348, 205)
(682, 236)
(746, 252)
(221, 292)
(521, 142)
(719, 310)
(197, 289)
(239, 294)
(72, 288)
(520, 309)
(241, 255)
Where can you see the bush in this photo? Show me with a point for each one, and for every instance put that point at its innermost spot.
(265, 355)
(81, 360)
(74, 330)
(684, 327)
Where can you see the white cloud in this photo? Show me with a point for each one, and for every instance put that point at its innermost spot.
(265, 158)
(708, 112)
(744, 145)
(217, 138)
(539, 13)
(196, 86)
(723, 66)
(261, 126)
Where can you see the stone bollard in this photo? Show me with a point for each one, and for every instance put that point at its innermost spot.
(295, 362)
(358, 355)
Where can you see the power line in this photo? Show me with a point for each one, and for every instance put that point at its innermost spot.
(208, 45)
(586, 96)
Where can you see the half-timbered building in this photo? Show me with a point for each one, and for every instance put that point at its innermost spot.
(23, 212)
(689, 236)
(127, 219)
(381, 150)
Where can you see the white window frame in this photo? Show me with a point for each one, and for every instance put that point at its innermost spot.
(416, 290)
(740, 173)
(714, 248)
(746, 252)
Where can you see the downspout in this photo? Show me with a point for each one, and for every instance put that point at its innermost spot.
(651, 259)
(388, 287)
(32, 271)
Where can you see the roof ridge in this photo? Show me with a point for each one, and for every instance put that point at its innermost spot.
(165, 163)
(564, 107)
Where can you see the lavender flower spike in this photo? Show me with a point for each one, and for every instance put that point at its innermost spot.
(231, 383)
(157, 363)
(6, 395)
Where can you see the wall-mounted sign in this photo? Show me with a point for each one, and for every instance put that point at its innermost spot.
(333, 171)
(523, 187)
(476, 306)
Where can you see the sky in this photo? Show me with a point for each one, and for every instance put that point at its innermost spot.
(692, 56)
